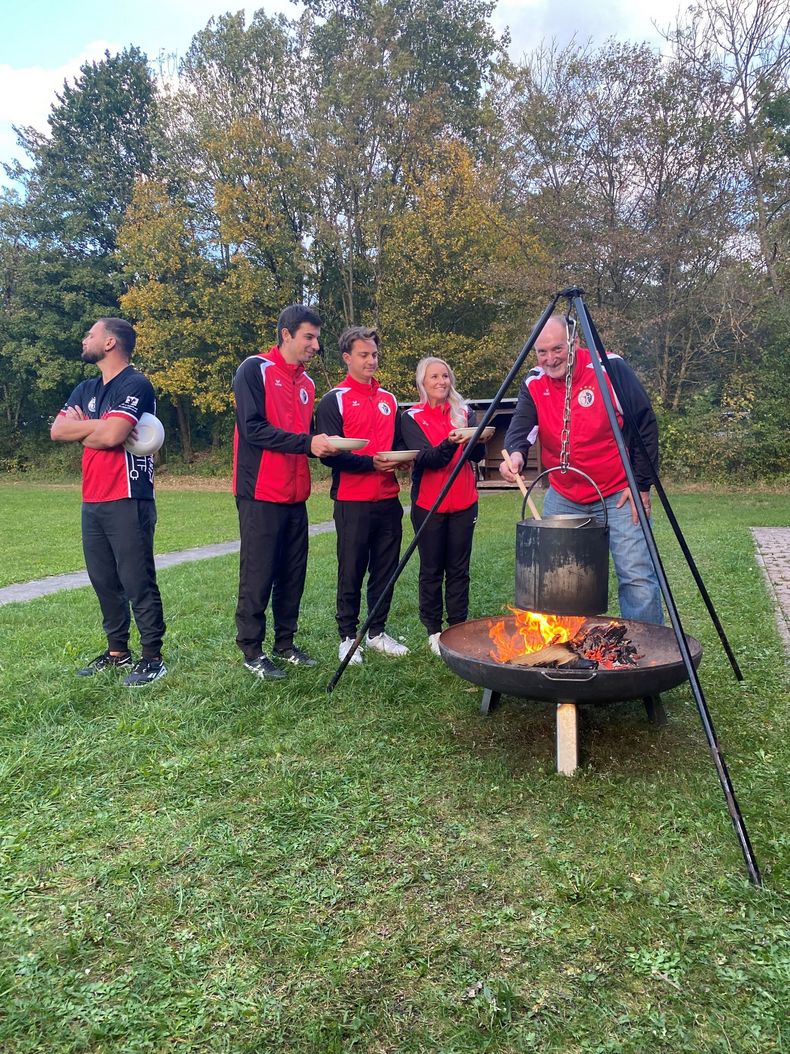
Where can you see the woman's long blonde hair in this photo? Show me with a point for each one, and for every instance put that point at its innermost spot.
(457, 403)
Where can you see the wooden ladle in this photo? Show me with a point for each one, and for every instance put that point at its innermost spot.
(521, 485)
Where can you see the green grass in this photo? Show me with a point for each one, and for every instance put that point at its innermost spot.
(216, 864)
(40, 525)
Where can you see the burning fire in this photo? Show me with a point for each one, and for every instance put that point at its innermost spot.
(603, 643)
(533, 632)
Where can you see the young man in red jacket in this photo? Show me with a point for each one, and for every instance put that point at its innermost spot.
(271, 483)
(367, 511)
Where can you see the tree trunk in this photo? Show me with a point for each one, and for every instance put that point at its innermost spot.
(184, 427)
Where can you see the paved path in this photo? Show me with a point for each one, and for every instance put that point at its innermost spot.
(773, 556)
(772, 545)
(41, 587)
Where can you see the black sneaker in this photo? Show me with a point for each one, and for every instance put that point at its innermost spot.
(145, 672)
(105, 661)
(264, 668)
(295, 656)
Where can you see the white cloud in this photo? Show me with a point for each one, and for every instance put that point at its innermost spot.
(28, 93)
(531, 21)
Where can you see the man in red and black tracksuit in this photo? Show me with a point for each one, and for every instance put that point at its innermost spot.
(540, 413)
(271, 483)
(118, 509)
(367, 509)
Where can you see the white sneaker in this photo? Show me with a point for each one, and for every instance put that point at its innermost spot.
(387, 645)
(345, 648)
(433, 643)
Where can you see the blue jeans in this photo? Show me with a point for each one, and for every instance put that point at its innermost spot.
(638, 591)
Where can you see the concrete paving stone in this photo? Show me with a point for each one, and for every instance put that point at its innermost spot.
(772, 545)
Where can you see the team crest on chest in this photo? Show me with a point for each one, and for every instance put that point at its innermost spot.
(92, 405)
(385, 408)
(586, 397)
(303, 396)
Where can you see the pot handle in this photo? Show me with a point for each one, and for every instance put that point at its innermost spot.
(576, 675)
(570, 468)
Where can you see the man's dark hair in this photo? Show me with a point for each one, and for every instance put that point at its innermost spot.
(292, 317)
(124, 333)
(348, 336)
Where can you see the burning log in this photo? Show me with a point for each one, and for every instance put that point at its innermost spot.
(553, 656)
(607, 645)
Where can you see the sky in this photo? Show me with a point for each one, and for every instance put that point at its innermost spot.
(44, 42)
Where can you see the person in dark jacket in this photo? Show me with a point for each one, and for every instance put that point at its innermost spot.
(271, 482)
(367, 510)
(540, 414)
(118, 507)
(432, 427)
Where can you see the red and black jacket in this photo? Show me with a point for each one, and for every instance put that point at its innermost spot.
(539, 414)
(109, 475)
(426, 428)
(271, 442)
(361, 411)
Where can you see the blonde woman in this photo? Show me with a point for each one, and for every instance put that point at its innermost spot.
(431, 426)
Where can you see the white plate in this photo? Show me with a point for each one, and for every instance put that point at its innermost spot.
(467, 433)
(150, 436)
(342, 443)
(399, 455)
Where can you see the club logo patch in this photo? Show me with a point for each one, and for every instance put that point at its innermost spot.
(92, 405)
(304, 396)
(586, 397)
(385, 408)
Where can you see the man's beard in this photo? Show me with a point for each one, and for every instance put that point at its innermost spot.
(93, 356)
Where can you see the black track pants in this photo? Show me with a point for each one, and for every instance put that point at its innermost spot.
(272, 564)
(368, 539)
(118, 543)
(445, 550)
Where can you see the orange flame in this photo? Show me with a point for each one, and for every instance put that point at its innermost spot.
(533, 631)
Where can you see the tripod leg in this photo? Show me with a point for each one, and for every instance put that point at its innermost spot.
(725, 781)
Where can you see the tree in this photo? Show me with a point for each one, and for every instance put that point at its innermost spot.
(57, 240)
(628, 164)
(98, 142)
(455, 274)
(30, 368)
(747, 45)
(46, 303)
(173, 298)
(415, 71)
(232, 141)
(292, 150)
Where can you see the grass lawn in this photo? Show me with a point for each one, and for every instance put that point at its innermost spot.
(215, 864)
(40, 525)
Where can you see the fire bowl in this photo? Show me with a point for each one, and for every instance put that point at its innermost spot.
(467, 647)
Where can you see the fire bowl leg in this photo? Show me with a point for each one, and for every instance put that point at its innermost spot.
(490, 700)
(567, 738)
(656, 714)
